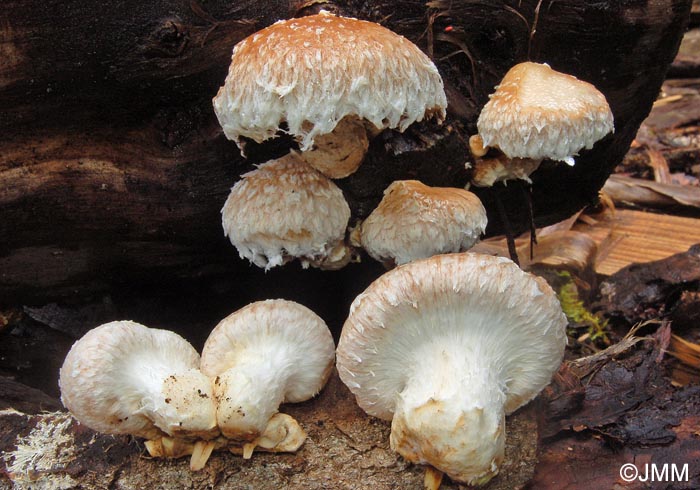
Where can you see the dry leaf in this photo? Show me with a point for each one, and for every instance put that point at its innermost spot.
(640, 192)
(688, 355)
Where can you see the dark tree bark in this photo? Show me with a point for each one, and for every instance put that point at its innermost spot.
(113, 168)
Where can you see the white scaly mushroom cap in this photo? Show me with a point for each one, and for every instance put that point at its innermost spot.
(445, 347)
(264, 354)
(125, 378)
(311, 72)
(286, 209)
(414, 221)
(539, 113)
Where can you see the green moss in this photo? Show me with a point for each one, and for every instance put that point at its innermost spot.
(576, 311)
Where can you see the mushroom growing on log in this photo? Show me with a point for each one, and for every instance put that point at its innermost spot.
(415, 221)
(286, 209)
(113, 167)
(445, 348)
(125, 378)
(262, 355)
(537, 113)
(333, 81)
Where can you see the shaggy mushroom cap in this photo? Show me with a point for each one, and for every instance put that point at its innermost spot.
(445, 347)
(312, 72)
(539, 113)
(414, 221)
(125, 378)
(284, 210)
(264, 354)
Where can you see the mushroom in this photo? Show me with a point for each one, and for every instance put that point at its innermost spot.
(537, 113)
(284, 210)
(500, 168)
(415, 221)
(264, 354)
(445, 348)
(282, 434)
(125, 378)
(326, 80)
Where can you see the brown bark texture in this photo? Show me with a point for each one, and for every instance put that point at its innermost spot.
(113, 168)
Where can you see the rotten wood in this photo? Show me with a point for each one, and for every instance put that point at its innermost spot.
(113, 169)
(345, 450)
(617, 408)
(626, 236)
(18, 396)
(685, 314)
(651, 290)
(687, 62)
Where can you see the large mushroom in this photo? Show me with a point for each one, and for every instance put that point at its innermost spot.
(264, 354)
(445, 348)
(414, 221)
(326, 80)
(125, 378)
(285, 209)
(537, 113)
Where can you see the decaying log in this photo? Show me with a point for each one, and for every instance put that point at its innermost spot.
(652, 290)
(113, 168)
(345, 450)
(616, 408)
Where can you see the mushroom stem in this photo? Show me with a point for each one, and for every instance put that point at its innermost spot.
(454, 420)
(250, 393)
(283, 434)
(184, 406)
(169, 447)
(433, 478)
(476, 146)
(200, 454)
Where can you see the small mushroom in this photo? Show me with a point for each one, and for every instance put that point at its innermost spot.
(500, 168)
(282, 434)
(329, 81)
(537, 113)
(264, 354)
(415, 221)
(445, 348)
(125, 378)
(284, 210)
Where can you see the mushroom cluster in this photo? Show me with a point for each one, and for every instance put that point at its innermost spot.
(125, 378)
(332, 83)
(445, 348)
(536, 113)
